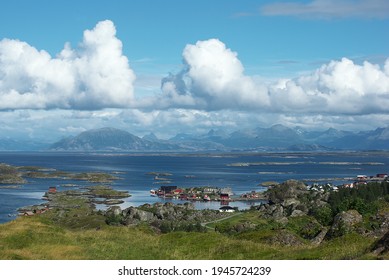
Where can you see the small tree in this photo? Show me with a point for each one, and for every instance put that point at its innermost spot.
(323, 215)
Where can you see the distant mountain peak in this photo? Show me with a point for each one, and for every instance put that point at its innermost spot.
(151, 137)
(104, 129)
(183, 137)
(109, 139)
(216, 133)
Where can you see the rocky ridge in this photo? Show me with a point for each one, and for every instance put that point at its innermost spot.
(292, 199)
(163, 217)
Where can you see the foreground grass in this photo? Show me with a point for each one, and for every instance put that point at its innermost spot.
(34, 238)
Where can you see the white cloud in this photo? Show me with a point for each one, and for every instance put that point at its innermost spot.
(72, 130)
(340, 87)
(51, 125)
(329, 9)
(212, 78)
(96, 76)
(82, 85)
(93, 76)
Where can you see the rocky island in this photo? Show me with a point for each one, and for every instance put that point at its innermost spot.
(10, 175)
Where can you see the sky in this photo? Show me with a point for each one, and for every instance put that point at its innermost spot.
(171, 66)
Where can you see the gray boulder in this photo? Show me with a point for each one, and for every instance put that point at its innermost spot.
(137, 214)
(244, 227)
(285, 238)
(345, 222)
(318, 239)
(290, 202)
(290, 189)
(382, 245)
(276, 211)
(297, 213)
(113, 211)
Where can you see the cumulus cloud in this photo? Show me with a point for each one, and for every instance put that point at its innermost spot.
(211, 90)
(93, 76)
(329, 9)
(212, 78)
(341, 87)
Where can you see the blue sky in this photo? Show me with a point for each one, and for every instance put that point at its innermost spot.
(177, 66)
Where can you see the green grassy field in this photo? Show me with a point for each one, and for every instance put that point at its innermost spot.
(39, 238)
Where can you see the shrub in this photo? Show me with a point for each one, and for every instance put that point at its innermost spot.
(323, 215)
(306, 227)
(114, 219)
(364, 199)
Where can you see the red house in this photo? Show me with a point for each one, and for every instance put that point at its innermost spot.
(178, 191)
(52, 190)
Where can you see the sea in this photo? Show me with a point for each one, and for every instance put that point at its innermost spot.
(242, 172)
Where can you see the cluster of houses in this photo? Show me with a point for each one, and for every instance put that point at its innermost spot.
(196, 193)
(364, 179)
(36, 209)
(222, 195)
(253, 195)
(360, 180)
(377, 178)
(322, 187)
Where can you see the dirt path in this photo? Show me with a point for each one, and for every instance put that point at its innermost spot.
(219, 220)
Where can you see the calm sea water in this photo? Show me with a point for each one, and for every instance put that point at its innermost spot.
(187, 170)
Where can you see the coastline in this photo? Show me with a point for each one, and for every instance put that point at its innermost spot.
(187, 170)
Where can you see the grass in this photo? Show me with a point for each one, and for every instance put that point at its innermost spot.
(249, 216)
(36, 238)
(95, 177)
(107, 192)
(10, 175)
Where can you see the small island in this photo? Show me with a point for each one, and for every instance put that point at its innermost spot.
(10, 175)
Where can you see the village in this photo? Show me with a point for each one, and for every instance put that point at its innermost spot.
(204, 194)
(360, 180)
(226, 194)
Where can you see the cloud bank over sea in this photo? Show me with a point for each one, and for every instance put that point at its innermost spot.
(93, 84)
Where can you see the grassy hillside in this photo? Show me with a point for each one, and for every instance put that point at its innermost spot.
(350, 223)
(36, 238)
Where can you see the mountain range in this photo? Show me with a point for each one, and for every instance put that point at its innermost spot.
(275, 138)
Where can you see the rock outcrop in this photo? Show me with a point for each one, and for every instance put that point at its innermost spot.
(285, 200)
(382, 245)
(292, 199)
(134, 216)
(163, 217)
(287, 192)
(285, 238)
(318, 239)
(345, 222)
